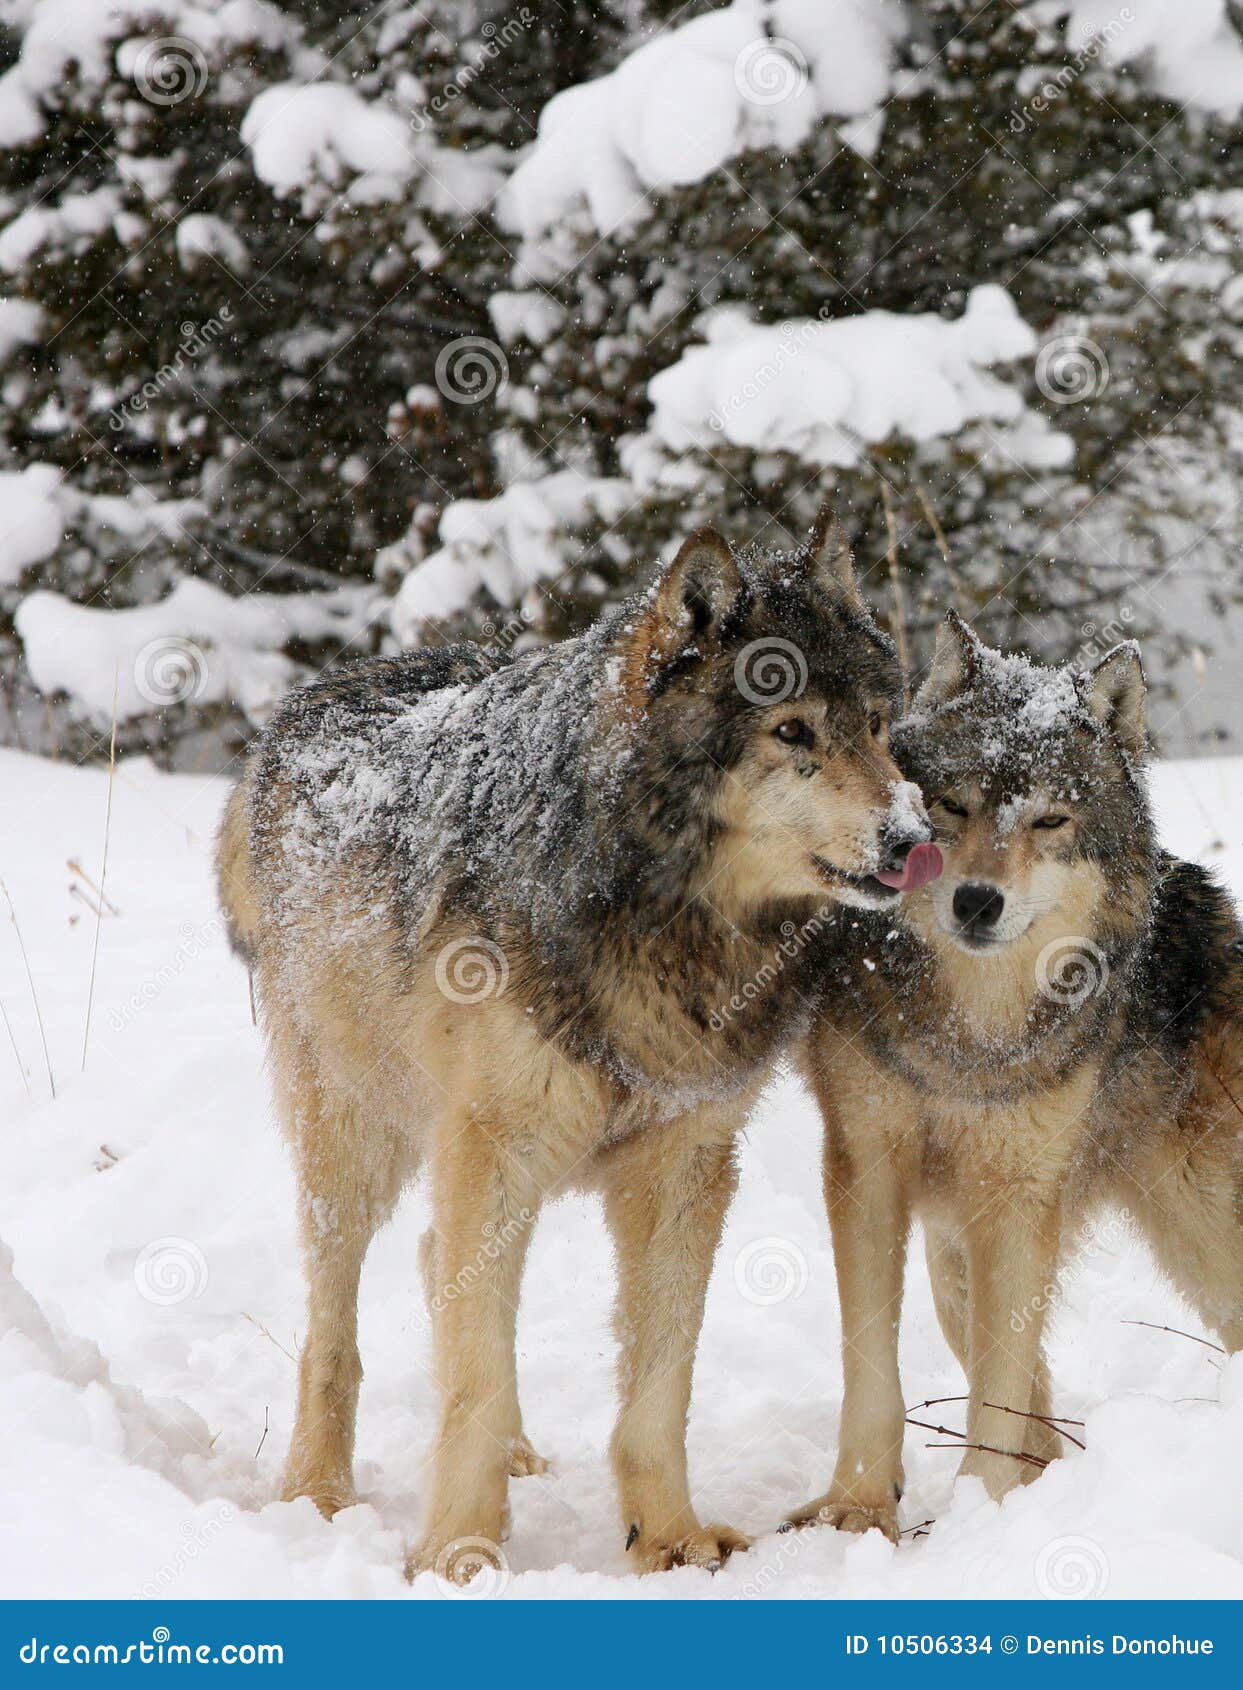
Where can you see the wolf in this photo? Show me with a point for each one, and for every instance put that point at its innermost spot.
(1051, 1027)
(491, 906)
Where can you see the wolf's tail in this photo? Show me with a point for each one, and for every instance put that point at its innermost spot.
(234, 871)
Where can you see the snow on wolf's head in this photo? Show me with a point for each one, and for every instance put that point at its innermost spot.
(1033, 777)
(761, 691)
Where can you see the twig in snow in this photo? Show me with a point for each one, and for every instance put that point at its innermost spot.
(935, 1402)
(1176, 1333)
(921, 1530)
(1044, 1419)
(263, 1331)
(30, 981)
(992, 1449)
(264, 1438)
(103, 870)
(75, 867)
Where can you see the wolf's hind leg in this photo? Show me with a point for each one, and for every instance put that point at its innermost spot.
(1187, 1198)
(349, 1176)
(524, 1459)
(947, 1269)
(666, 1194)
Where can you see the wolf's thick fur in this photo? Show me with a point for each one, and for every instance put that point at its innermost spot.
(1083, 1048)
(491, 910)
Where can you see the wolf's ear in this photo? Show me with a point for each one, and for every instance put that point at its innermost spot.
(827, 558)
(690, 601)
(953, 663)
(1116, 697)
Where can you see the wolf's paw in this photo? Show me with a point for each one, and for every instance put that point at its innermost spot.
(525, 1461)
(708, 1547)
(330, 1496)
(459, 1560)
(846, 1516)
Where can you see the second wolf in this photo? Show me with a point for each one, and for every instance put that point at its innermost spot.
(1053, 1026)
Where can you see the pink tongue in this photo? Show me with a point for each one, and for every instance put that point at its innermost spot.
(923, 863)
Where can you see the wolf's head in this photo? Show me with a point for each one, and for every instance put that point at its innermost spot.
(1032, 777)
(762, 691)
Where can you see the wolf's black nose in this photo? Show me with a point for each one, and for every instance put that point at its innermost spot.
(978, 905)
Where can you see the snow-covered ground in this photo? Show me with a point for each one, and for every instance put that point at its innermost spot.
(148, 1337)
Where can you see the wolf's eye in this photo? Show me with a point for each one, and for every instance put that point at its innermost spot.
(951, 808)
(1050, 822)
(794, 732)
(878, 724)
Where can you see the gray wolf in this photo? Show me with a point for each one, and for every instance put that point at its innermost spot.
(1051, 1027)
(491, 907)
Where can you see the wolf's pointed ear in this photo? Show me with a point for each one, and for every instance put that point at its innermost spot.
(1116, 694)
(954, 663)
(689, 602)
(827, 558)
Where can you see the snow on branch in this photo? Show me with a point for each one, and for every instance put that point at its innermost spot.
(685, 103)
(199, 645)
(1191, 53)
(505, 546)
(824, 391)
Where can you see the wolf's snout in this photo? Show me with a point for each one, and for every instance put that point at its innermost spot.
(978, 905)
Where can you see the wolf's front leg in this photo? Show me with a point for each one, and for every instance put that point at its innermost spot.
(1012, 1254)
(666, 1194)
(485, 1201)
(867, 1180)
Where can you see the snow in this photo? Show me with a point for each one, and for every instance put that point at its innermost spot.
(199, 236)
(695, 96)
(1189, 52)
(507, 545)
(32, 522)
(198, 645)
(89, 40)
(825, 390)
(21, 324)
(75, 219)
(325, 131)
(154, 1306)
